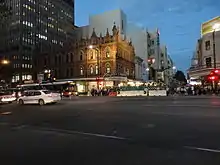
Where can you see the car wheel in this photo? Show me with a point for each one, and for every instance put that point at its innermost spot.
(41, 102)
(21, 102)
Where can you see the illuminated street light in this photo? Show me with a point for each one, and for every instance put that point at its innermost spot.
(5, 62)
(216, 27)
(147, 69)
(174, 67)
(90, 46)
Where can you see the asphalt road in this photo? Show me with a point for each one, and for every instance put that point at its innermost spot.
(113, 131)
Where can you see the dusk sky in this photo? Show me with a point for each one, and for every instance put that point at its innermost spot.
(179, 21)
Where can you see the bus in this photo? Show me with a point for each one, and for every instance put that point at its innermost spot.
(66, 88)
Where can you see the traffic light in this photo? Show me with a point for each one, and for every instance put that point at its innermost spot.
(216, 71)
(212, 78)
(214, 75)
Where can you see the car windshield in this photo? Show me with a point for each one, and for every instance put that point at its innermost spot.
(47, 92)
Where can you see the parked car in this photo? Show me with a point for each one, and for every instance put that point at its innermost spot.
(40, 97)
(7, 97)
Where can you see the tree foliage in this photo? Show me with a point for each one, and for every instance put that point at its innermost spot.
(179, 76)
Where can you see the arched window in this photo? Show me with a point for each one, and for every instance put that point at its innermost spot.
(71, 57)
(108, 68)
(81, 71)
(107, 53)
(96, 69)
(91, 70)
(96, 54)
(91, 55)
(81, 55)
(67, 72)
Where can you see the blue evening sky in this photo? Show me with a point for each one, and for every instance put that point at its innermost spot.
(179, 21)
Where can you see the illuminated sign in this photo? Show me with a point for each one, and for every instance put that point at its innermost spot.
(207, 27)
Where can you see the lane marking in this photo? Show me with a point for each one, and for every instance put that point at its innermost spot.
(6, 113)
(80, 133)
(183, 114)
(179, 105)
(202, 149)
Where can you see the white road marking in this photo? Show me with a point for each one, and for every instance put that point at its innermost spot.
(181, 105)
(80, 133)
(6, 113)
(169, 114)
(4, 124)
(20, 127)
(202, 149)
(183, 114)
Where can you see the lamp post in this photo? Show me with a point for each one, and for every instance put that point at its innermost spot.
(214, 27)
(98, 56)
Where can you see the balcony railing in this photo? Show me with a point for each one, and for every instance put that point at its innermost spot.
(202, 67)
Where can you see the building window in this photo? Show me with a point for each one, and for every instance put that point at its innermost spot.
(152, 42)
(108, 68)
(67, 72)
(96, 69)
(208, 62)
(91, 55)
(91, 70)
(67, 58)
(107, 53)
(71, 72)
(127, 72)
(71, 57)
(207, 45)
(81, 56)
(81, 71)
(96, 54)
(122, 25)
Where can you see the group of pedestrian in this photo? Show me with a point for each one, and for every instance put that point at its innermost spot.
(192, 90)
(100, 92)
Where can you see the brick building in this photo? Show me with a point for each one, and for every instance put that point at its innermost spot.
(107, 59)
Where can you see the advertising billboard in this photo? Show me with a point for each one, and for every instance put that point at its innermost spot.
(207, 27)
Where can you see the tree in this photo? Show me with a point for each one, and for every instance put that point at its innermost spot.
(179, 76)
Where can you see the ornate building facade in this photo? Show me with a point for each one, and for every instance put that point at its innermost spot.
(106, 58)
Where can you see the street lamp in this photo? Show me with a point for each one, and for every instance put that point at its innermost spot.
(4, 62)
(214, 27)
(147, 69)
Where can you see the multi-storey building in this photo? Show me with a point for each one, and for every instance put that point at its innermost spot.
(35, 27)
(207, 54)
(154, 60)
(127, 31)
(96, 61)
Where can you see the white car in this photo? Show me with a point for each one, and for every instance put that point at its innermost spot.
(40, 97)
(6, 97)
